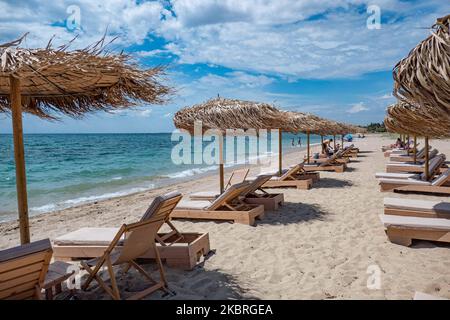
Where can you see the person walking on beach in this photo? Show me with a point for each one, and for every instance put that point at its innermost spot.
(299, 141)
(293, 142)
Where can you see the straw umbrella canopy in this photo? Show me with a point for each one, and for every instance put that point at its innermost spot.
(51, 81)
(223, 114)
(423, 77)
(303, 122)
(405, 118)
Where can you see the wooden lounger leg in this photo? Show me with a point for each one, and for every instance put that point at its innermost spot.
(96, 277)
(112, 277)
(397, 238)
(246, 219)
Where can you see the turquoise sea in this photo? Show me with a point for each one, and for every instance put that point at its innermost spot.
(64, 170)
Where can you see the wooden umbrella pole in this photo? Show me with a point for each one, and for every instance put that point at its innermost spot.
(280, 152)
(221, 170)
(321, 144)
(342, 141)
(427, 174)
(407, 144)
(415, 149)
(334, 142)
(308, 148)
(19, 156)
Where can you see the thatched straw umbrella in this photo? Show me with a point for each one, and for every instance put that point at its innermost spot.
(423, 77)
(303, 122)
(406, 119)
(222, 114)
(49, 81)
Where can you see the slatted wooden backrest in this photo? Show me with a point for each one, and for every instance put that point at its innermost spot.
(231, 194)
(256, 184)
(23, 270)
(139, 239)
(162, 205)
(237, 176)
(289, 172)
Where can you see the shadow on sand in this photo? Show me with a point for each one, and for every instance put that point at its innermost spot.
(332, 183)
(191, 284)
(292, 212)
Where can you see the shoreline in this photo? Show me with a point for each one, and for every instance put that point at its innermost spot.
(158, 183)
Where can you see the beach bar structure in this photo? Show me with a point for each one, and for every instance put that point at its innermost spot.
(50, 81)
(230, 114)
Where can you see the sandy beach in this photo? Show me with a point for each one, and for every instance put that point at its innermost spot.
(319, 245)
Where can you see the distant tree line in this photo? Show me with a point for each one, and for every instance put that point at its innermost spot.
(376, 127)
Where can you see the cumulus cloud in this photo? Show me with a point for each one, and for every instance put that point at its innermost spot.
(357, 107)
(301, 39)
(294, 39)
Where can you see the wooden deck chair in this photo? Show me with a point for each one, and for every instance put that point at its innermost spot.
(328, 165)
(403, 229)
(181, 250)
(290, 178)
(399, 167)
(228, 206)
(23, 270)
(237, 176)
(131, 242)
(417, 208)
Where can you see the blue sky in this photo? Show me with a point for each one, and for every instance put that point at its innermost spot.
(310, 56)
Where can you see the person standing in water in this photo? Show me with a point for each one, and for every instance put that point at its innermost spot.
(300, 141)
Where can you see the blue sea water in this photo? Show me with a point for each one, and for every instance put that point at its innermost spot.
(64, 170)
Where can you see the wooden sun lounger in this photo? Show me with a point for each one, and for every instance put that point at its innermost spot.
(254, 194)
(228, 206)
(328, 165)
(290, 178)
(437, 185)
(399, 167)
(237, 176)
(417, 208)
(420, 156)
(180, 250)
(396, 151)
(402, 229)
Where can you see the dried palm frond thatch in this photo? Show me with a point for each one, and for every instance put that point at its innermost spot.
(405, 118)
(423, 77)
(223, 114)
(56, 80)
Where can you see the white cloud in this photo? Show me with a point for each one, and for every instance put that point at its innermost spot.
(293, 39)
(276, 37)
(129, 20)
(357, 107)
(145, 113)
(387, 96)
